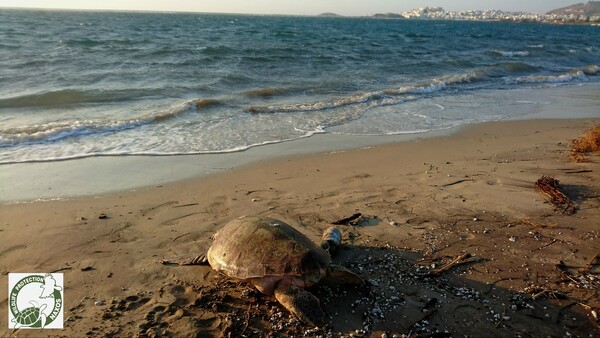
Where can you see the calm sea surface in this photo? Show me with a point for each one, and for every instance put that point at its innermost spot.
(79, 84)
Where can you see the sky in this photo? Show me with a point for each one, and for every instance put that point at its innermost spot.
(303, 7)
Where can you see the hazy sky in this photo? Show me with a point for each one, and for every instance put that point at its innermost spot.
(301, 7)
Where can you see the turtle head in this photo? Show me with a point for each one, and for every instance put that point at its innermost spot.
(314, 267)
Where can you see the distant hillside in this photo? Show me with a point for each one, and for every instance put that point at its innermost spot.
(388, 16)
(591, 8)
(331, 15)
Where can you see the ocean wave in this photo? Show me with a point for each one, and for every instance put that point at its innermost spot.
(436, 85)
(418, 35)
(383, 97)
(428, 88)
(515, 67)
(59, 130)
(232, 149)
(219, 50)
(591, 70)
(67, 97)
(54, 131)
(202, 103)
(390, 96)
(553, 78)
(265, 92)
(316, 106)
(85, 42)
(510, 53)
(48, 99)
(260, 59)
(504, 69)
(461, 78)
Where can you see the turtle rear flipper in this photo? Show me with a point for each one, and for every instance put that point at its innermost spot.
(17, 324)
(43, 321)
(339, 275)
(303, 304)
(186, 260)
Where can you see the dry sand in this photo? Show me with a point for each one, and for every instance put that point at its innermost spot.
(531, 270)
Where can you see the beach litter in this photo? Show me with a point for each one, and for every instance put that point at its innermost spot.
(358, 219)
(549, 188)
(347, 220)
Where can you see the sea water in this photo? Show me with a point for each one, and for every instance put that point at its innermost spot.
(83, 84)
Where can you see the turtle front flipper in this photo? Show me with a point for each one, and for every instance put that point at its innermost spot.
(301, 303)
(339, 275)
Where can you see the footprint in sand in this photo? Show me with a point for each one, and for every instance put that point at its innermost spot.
(11, 249)
(220, 206)
(151, 211)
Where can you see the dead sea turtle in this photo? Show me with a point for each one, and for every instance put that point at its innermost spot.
(278, 260)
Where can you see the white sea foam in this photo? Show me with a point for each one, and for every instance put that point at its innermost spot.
(558, 78)
(58, 130)
(511, 53)
(461, 78)
(591, 70)
(382, 97)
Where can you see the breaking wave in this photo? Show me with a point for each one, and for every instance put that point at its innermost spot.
(397, 95)
(265, 92)
(573, 75)
(510, 53)
(381, 97)
(58, 130)
(67, 97)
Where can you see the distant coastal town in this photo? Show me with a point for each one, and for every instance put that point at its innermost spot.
(438, 13)
(581, 13)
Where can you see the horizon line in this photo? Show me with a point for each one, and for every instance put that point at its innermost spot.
(331, 14)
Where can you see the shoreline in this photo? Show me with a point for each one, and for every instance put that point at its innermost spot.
(424, 203)
(22, 182)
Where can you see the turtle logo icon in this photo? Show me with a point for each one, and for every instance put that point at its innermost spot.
(35, 300)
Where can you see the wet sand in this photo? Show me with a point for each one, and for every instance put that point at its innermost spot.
(523, 268)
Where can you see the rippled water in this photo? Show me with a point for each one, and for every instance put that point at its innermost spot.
(77, 84)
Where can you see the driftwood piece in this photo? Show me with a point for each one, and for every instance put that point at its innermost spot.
(594, 262)
(457, 182)
(460, 259)
(345, 221)
(550, 189)
(543, 292)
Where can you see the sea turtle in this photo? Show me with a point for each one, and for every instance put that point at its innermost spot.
(278, 260)
(31, 316)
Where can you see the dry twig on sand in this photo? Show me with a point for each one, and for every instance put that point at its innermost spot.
(594, 262)
(460, 259)
(536, 224)
(549, 187)
(542, 292)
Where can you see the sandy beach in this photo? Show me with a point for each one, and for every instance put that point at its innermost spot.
(520, 268)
